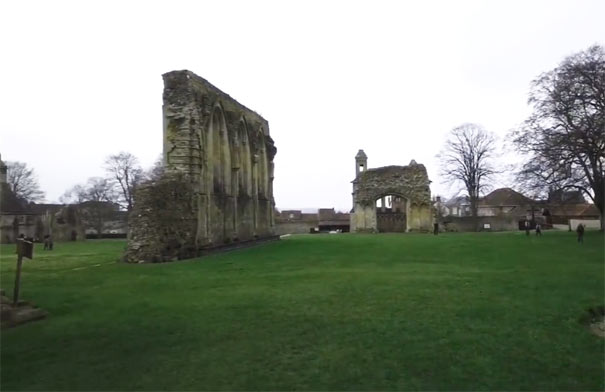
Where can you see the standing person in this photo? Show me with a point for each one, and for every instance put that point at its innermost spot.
(538, 229)
(527, 227)
(580, 231)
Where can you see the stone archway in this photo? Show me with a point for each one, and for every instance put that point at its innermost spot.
(408, 188)
(391, 214)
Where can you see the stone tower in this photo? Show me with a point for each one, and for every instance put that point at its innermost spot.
(361, 162)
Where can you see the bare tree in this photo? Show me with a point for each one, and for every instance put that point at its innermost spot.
(97, 200)
(564, 138)
(23, 182)
(157, 170)
(467, 159)
(75, 195)
(124, 168)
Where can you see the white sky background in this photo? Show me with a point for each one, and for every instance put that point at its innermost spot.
(81, 80)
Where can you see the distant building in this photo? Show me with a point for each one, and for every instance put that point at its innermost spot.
(64, 222)
(330, 220)
(506, 208)
(506, 201)
(297, 222)
(458, 206)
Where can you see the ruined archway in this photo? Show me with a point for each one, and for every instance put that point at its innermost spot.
(407, 190)
(391, 213)
(221, 205)
(245, 204)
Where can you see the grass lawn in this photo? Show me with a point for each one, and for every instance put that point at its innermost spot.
(323, 312)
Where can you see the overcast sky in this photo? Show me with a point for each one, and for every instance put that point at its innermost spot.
(81, 80)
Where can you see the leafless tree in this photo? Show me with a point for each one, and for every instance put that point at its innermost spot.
(124, 168)
(157, 170)
(75, 195)
(564, 138)
(95, 189)
(467, 158)
(97, 200)
(23, 182)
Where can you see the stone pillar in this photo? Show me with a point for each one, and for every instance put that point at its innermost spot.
(255, 177)
(272, 198)
(235, 192)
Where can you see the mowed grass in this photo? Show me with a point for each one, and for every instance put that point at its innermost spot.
(324, 312)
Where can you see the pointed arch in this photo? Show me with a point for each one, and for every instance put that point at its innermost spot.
(262, 164)
(220, 154)
(245, 172)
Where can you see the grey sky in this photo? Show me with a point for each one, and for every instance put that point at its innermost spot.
(82, 80)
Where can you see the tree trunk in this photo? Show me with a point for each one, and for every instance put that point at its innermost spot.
(599, 202)
(474, 214)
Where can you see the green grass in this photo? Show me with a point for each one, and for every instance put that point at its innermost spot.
(325, 312)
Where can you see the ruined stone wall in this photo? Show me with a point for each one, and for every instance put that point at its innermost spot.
(409, 182)
(225, 153)
(163, 221)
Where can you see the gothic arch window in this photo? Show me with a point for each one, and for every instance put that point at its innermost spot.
(220, 156)
(263, 168)
(245, 172)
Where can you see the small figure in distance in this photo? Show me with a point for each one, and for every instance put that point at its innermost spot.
(580, 231)
(538, 229)
(527, 227)
(46, 242)
(436, 228)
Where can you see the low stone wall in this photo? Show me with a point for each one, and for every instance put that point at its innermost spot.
(163, 222)
(282, 228)
(468, 223)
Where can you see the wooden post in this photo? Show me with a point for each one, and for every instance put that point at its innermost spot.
(25, 248)
(18, 272)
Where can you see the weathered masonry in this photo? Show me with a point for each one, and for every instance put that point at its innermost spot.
(390, 198)
(217, 186)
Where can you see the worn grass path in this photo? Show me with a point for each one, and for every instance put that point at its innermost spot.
(323, 312)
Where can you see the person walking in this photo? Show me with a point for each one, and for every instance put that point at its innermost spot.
(527, 227)
(538, 230)
(580, 231)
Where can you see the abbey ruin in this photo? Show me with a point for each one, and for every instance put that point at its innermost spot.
(390, 198)
(217, 186)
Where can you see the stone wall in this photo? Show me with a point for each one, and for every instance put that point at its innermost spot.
(225, 153)
(282, 228)
(169, 233)
(468, 223)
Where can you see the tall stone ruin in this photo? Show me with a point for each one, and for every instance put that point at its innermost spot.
(217, 185)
